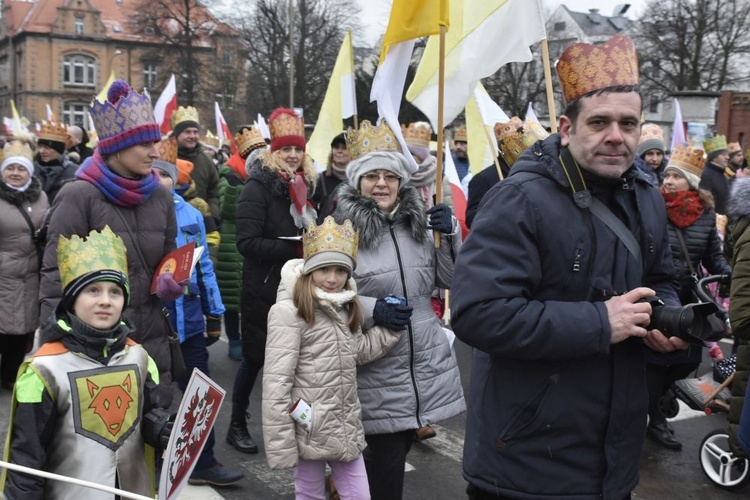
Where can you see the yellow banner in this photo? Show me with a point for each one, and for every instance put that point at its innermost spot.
(414, 19)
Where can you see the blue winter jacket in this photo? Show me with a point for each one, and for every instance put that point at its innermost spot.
(554, 410)
(202, 297)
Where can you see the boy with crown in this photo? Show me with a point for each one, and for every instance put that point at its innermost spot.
(82, 404)
(550, 294)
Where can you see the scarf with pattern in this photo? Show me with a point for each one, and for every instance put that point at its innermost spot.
(119, 190)
(683, 207)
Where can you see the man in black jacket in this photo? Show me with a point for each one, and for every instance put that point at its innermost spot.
(716, 175)
(550, 298)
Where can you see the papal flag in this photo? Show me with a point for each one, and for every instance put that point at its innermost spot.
(482, 113)
(484, 35)
(102, 96)
(339, 103)
(410, 19)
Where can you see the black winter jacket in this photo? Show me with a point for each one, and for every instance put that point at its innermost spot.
(555, 411)
(480, 184)
(714, 180)
(262, 217)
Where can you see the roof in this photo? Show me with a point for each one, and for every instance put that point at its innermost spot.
(593, 23)
(116, 15)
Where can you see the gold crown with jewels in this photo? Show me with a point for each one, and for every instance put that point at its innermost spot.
(54, 132)
(185, 114)
(715, 144)
(211, 139)
(15, 149)
(687, 158)
(417, 134)
(370, 138)
(514, 137)
(98, 251)
(248, 139)
(460, 134)
(330, 237)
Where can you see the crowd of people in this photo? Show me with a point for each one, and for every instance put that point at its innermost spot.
(331, 281)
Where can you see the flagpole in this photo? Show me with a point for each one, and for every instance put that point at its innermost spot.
(441, 95)
(548, 83)
(354, 81)
(497, 163)
(291, 54)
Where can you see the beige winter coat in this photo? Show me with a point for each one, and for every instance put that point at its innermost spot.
(319, 365)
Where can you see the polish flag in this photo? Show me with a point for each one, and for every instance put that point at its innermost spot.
(165, 105)
(457, 190)
(222, 130)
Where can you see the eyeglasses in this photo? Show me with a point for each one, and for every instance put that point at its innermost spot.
(374, 177)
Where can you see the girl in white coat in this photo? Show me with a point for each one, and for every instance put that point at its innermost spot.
(314, 344)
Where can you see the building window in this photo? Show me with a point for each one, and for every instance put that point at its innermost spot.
(653, 106)
(149, 75)
(560, 26)
(78, 25)
(79, 70)
(226, 58)
(74, 113)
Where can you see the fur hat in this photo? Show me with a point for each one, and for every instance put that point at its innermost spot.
(378, 160)
(652, 137)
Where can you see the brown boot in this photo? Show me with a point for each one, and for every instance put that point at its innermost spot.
(331, 489)
(425, 432)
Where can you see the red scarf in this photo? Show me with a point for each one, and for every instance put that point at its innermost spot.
(683, 207)
(302, 210)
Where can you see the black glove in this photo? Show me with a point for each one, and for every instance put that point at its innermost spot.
(441, 218)
(213, 329)
(156, 428)
(393, 316)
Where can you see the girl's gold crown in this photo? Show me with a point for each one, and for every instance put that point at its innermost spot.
(330, 237)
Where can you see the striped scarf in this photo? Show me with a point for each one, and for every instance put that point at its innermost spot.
(119, 190)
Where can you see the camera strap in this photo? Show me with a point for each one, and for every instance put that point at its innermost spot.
(582, 197)
(680, 237)
(32, 231)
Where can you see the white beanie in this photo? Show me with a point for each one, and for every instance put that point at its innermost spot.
(24, 162)
(378, 160)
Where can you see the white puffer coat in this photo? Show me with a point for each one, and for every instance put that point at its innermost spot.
(317, 364)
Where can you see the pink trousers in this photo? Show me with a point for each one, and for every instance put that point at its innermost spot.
(350, 479)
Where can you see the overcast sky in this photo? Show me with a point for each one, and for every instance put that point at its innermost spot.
(375, 12)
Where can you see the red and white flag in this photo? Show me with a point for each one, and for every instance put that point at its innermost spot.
(165, 105)
(222, 130)
(457, 190)
(50, 115)
(195, 418)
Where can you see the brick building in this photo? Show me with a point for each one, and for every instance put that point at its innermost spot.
(733, 119)
(61, 52)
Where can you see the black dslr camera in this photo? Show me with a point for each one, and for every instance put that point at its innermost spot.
(694, 323)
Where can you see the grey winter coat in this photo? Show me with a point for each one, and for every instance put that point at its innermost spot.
(317, 364)
(417, 382)
(19, 261)
(80, 208)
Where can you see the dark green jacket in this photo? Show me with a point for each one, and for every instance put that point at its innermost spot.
(739, 304)
(229, 265)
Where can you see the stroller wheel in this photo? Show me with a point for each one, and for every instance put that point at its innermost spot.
(668, 405)
(720, 465)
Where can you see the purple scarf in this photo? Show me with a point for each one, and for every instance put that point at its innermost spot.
(117, 189)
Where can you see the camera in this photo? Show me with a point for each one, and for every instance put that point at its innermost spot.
(694, 323)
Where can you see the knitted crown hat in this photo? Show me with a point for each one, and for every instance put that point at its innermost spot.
(124, 120)
(287, 129)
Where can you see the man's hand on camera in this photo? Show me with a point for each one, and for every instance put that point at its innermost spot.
(658, 342)
(628, 317)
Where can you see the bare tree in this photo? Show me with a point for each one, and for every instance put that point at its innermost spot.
(318, 31)
(693, 44)
(515, 85)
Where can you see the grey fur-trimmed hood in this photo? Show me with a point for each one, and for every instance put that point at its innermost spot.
(739, 200)
(367, 217)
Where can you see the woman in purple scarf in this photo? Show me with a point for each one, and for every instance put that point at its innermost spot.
(117, 187)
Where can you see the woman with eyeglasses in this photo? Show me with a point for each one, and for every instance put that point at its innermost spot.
(417, 383)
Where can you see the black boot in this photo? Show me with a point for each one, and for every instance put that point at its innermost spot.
(238, 436)
(662, 434)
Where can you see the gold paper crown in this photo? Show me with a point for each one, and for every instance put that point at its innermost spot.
(515, 137)
(369, 139)
(734, 147)
(283, 124)
(585, 68)
(460, 134)
(97, 252)
(417, 134)
(247, 139)
(687, 158)
(715, 144)
(51, 131)
(185, 114)
(651, 131)
(211, 139)
(14, 149)
(168, 149)
(330, 237)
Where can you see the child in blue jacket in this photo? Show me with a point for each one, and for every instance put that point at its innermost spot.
(196, 317)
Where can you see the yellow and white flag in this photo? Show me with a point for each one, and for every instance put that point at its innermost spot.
(482, 113)
(339, 103)
(410, 19)
(484, 35)
(102, 96)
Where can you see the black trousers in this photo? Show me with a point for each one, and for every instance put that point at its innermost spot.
(12, 352)
(475, 493)
(385, 459)
(658, 380)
